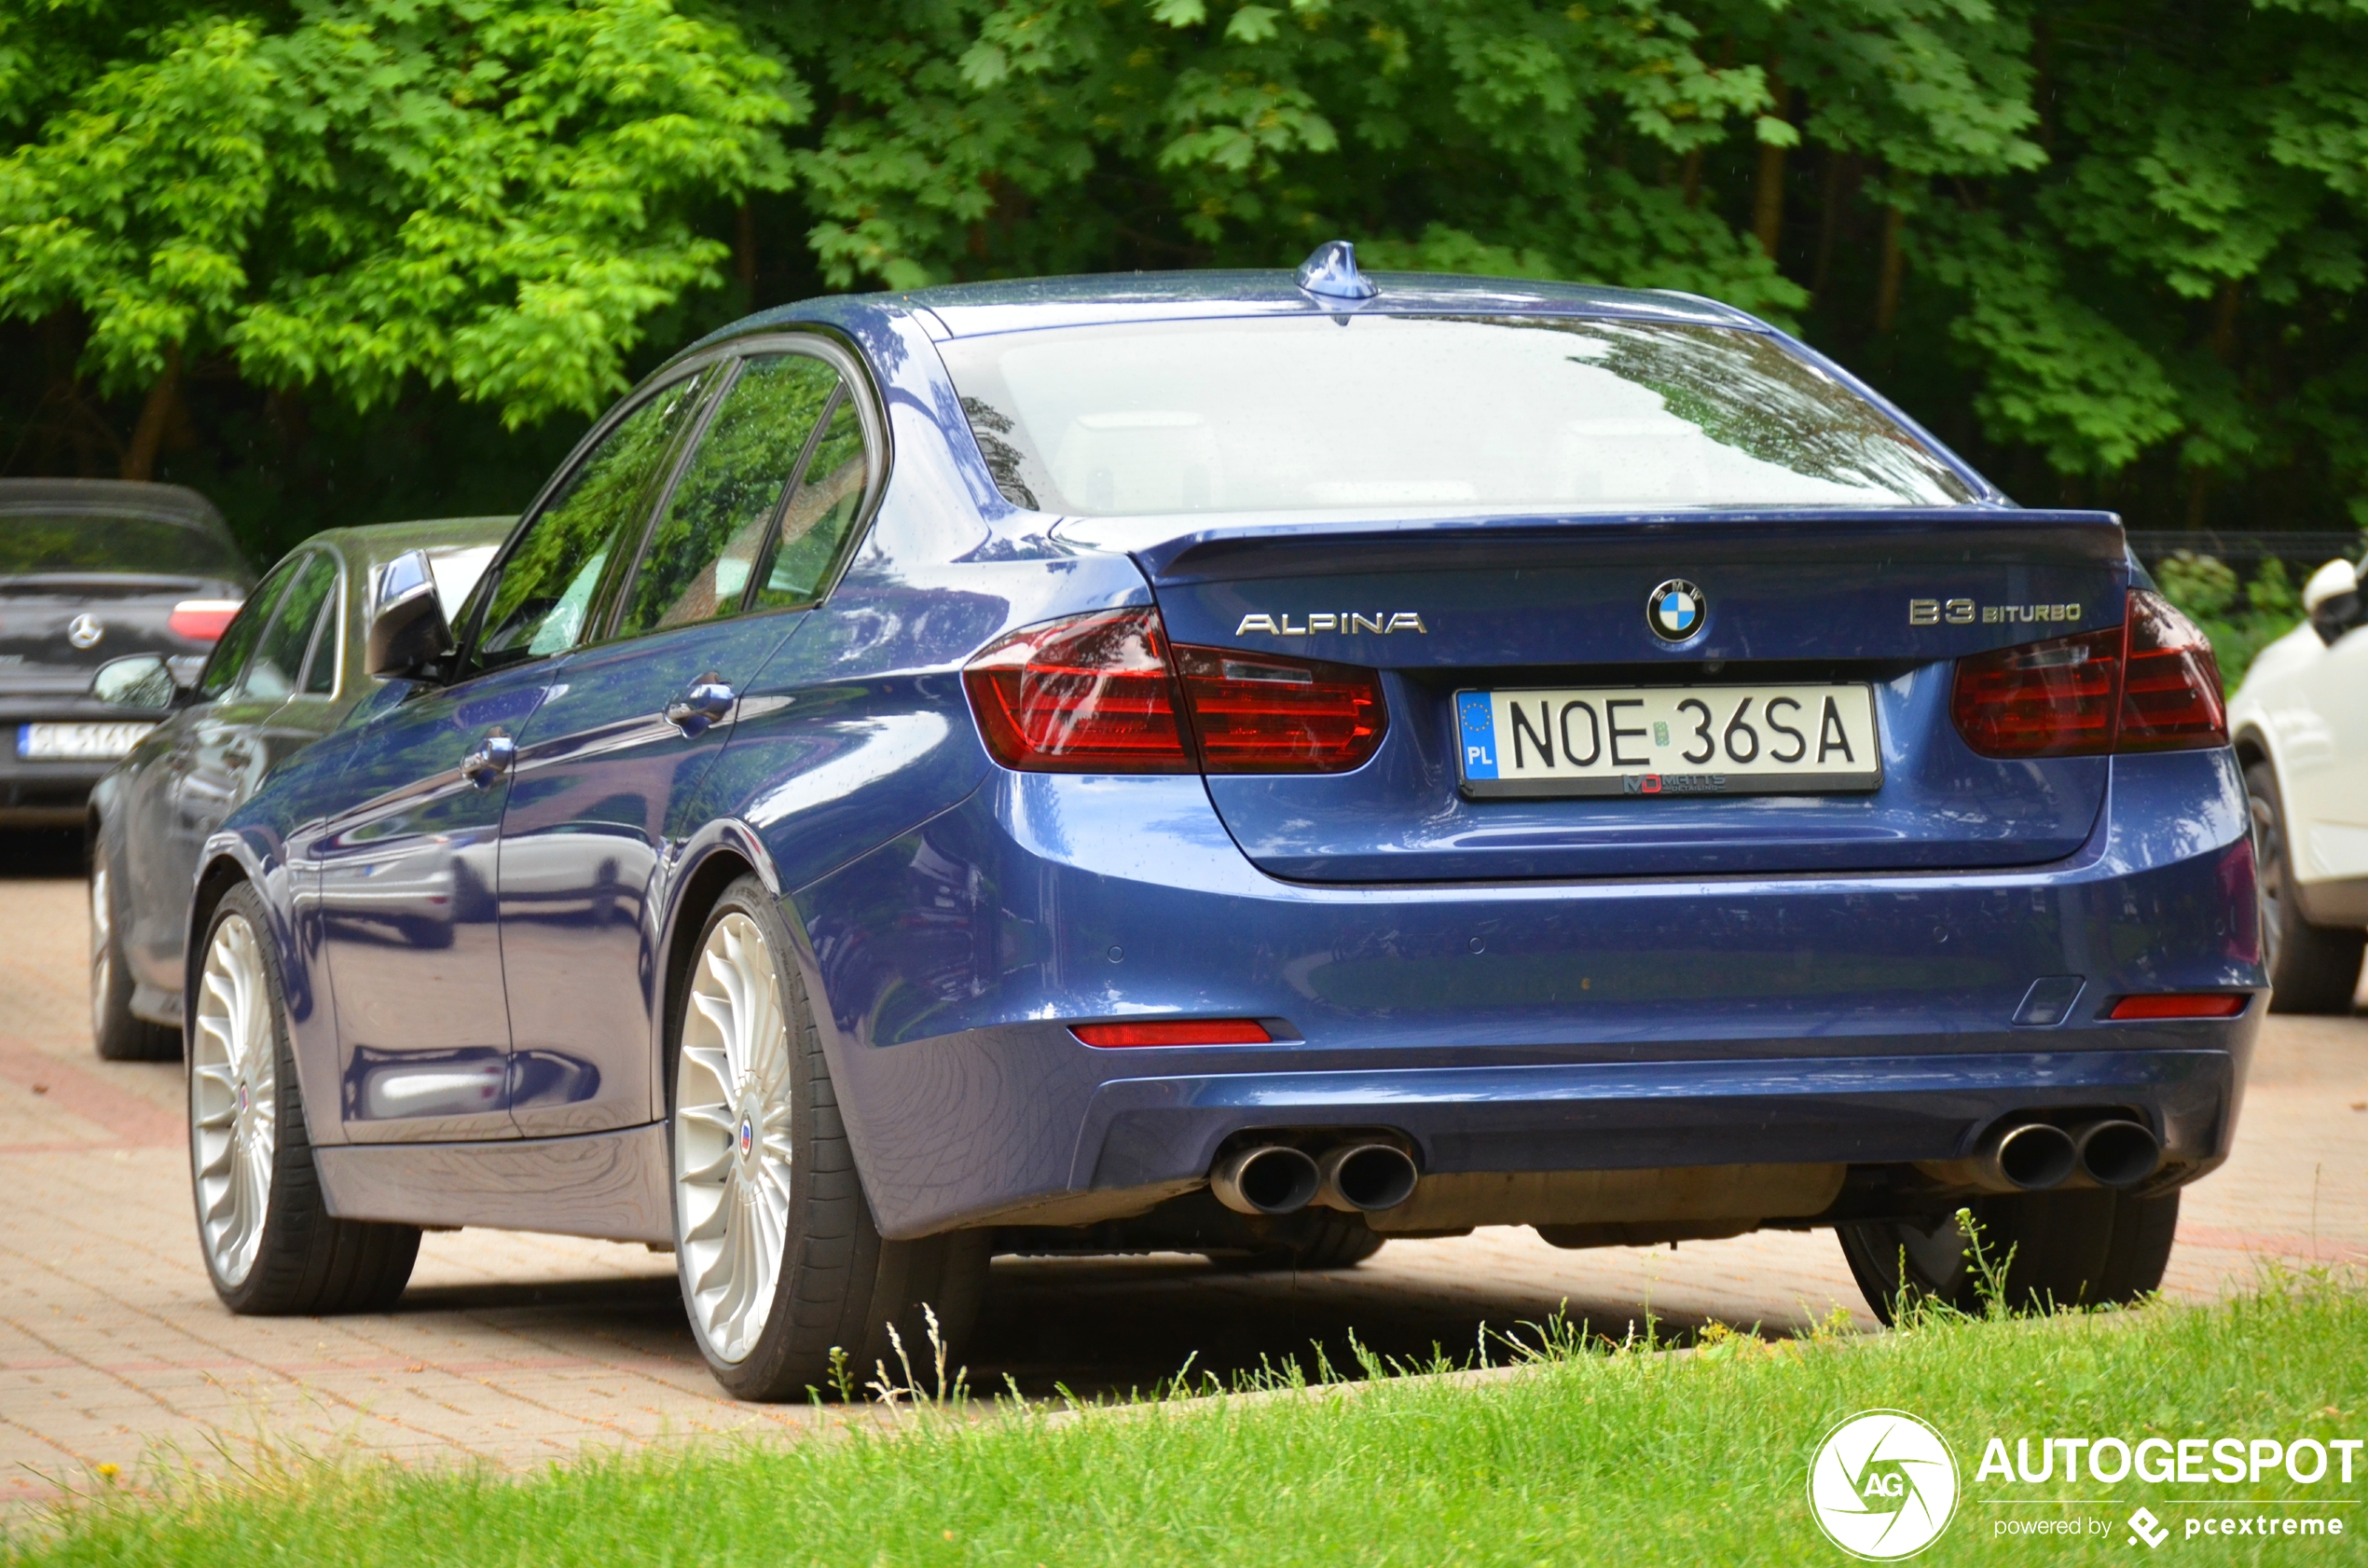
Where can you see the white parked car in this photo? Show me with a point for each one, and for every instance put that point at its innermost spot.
(2299, 723)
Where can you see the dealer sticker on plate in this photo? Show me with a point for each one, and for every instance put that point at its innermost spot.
(77, 743)
(1802, 738)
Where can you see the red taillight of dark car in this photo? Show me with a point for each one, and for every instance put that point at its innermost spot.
(203, 620)
(1093, 694)
(1262, 713)
(1101, 693)
(2149, 684)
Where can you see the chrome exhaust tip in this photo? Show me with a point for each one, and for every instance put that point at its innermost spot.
(1363, 1177)
(2031, 1158)
(1265, 1179)
(2118, 1154)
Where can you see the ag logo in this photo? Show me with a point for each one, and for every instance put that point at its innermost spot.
(1882, 1485)
(1674, 610)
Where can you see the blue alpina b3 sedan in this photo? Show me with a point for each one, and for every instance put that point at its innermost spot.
(1247, 764)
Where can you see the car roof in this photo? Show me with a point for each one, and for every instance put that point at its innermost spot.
(952, 311)
(117, 498)
(374, 542)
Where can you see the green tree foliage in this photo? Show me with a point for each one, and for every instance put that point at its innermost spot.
(2240, 621)
(2108, 249)
(492, 194)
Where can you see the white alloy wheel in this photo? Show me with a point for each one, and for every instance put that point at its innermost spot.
(102, 950)
(234, 1100)
(732, 1144)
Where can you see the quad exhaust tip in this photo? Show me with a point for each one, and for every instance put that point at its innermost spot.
(1265, 1179)
(2032, 1156)
(1365, 1177)
(2118, 1154)
(1271, 1178)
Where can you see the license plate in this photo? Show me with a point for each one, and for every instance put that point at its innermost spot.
(1670, 740)
(77, 743)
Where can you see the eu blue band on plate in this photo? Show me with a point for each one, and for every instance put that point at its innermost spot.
(1475, 717)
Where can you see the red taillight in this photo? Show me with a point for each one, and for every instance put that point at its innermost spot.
(2170, 683)
(1098, 694)
(2181, 1004)
(1174, 1031)
(2043, 699)
(1088, 695)
(201, 620)
(1258, 713)
(2149, 684)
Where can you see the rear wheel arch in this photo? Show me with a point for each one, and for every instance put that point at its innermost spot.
(222, 873)
(2251, 747)
(718, 871)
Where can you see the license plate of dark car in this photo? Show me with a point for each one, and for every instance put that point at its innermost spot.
(1795, 738)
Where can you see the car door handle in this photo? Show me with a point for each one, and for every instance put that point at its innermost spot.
(708, 700)
(490, 759)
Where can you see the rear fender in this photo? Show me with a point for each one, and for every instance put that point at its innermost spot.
(252, 853)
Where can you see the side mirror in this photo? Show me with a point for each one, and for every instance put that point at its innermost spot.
(407, 628)
(137, 683)
(2331, 599)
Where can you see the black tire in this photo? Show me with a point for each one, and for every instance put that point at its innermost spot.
(308, 1262)
(1338, 1241)
(842, 1285)
(2312, 968)
(2079, 1249)
(117, 1033)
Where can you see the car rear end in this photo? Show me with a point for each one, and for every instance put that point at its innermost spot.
(1645, 801)
(92, 571)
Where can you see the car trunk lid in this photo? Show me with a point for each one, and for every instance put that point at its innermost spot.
(1881, 598)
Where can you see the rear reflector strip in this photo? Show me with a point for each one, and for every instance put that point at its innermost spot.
(1174, 1031)
(2178, 1004)
(203, 620)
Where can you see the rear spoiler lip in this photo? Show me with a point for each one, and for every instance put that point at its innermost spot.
(1200, 548)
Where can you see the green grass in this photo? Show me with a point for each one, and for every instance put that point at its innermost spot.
(1591, 1455)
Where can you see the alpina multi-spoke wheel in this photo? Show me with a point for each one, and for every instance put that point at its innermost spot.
(268, 1240)
(781, 1262)
(234, 1100)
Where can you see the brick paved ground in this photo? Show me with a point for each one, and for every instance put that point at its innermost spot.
(521, 1349)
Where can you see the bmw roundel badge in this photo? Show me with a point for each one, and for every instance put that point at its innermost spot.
(1675, 611)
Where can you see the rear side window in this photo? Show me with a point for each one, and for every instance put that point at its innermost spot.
(1441, 413)
(542, 597)
(230, 655)
(713, 533)
(821, 513)
(279, 658)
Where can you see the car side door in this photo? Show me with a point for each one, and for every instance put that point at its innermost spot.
(608, 782)
(181, 799)
(2325, 773)
(408, 873)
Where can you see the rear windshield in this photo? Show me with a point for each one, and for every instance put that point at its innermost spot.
(36, 544)
(1362, 411)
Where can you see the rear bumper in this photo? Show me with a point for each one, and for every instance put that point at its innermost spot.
(1550, 1026)
(44, 794)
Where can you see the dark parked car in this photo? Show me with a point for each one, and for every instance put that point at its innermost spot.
(92, 570)
(286, 671)
(1238, 763)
